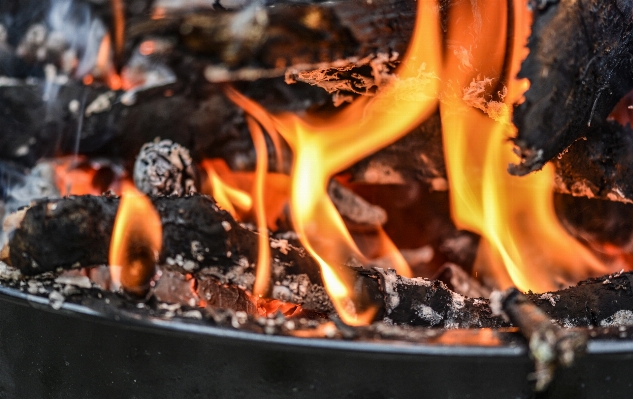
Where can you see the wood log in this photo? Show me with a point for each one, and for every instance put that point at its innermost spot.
(95, 121)
(579, 68)
(75, 232)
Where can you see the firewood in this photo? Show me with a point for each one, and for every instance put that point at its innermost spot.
(579, 68)
(550, 345)
(201, 239)
(96, 121)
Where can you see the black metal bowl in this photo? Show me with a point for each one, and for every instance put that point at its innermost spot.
(80, 352)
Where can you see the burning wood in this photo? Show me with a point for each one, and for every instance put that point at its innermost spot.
(455, 83)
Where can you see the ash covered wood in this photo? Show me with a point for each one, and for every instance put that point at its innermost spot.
(579, 67)
(75, 232)
(165, 168)
(199, 238)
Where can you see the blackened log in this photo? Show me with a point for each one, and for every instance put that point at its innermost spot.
(599, 166)
(596, 302)
(579, 67)
(75, 232)
(198, 117)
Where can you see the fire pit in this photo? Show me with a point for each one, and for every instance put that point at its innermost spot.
(341, 199)
(88, 350)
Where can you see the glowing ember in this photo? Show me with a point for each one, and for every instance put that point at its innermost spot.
(136, 242)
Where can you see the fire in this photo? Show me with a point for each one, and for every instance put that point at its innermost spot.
(263, 259)
(136, 242)
(226, 194)
(324, 147)
(523, 241)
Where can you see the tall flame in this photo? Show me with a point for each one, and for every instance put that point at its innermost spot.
(324, 147)
(262, 276)
(136, 242)
(523, 242)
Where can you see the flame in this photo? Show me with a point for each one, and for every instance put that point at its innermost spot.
(136, 242)
(523, 241)
(231, 191)
(324, 147)
(262, 276)
(118, 14)
(226, 194)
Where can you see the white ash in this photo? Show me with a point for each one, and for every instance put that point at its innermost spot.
(226, 225)
(192, 314)
(173, 287)
(56, 299)
(496, 304)
(198, 250)
(551, 298)
(74, 280)
(35, 287)
(165, 168)
(9, 273)
(282, 245)
(293, 288)
(619, 318)
(100, 104)
(426, 313)
(391, 280)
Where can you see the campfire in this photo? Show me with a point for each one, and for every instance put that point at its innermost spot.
(384, 171)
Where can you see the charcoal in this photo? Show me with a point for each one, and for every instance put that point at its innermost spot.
(579, 68)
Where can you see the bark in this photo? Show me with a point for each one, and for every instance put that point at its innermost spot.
(579, 68)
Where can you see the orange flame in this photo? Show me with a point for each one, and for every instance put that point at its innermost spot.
(262, 276)
(225, 194)
(523, 242)
(324, 147)
(231, 190)
(136, 242)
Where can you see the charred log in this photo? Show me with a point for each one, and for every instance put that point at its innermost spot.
(201, 239)
(46, 119)
(579, 68)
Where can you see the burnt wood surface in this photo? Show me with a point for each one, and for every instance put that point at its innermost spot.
(200, 118)
(273, 35)
(75, 232)
(579, 67)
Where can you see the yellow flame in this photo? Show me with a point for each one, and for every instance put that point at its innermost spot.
(136, 241)
(227, 196)
(324, 147)
(523, 241)
(262, 276)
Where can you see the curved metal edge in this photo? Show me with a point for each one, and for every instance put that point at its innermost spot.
(397, 347)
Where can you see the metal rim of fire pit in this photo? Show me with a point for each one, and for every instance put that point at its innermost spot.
(87, 351)
(399, 347)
